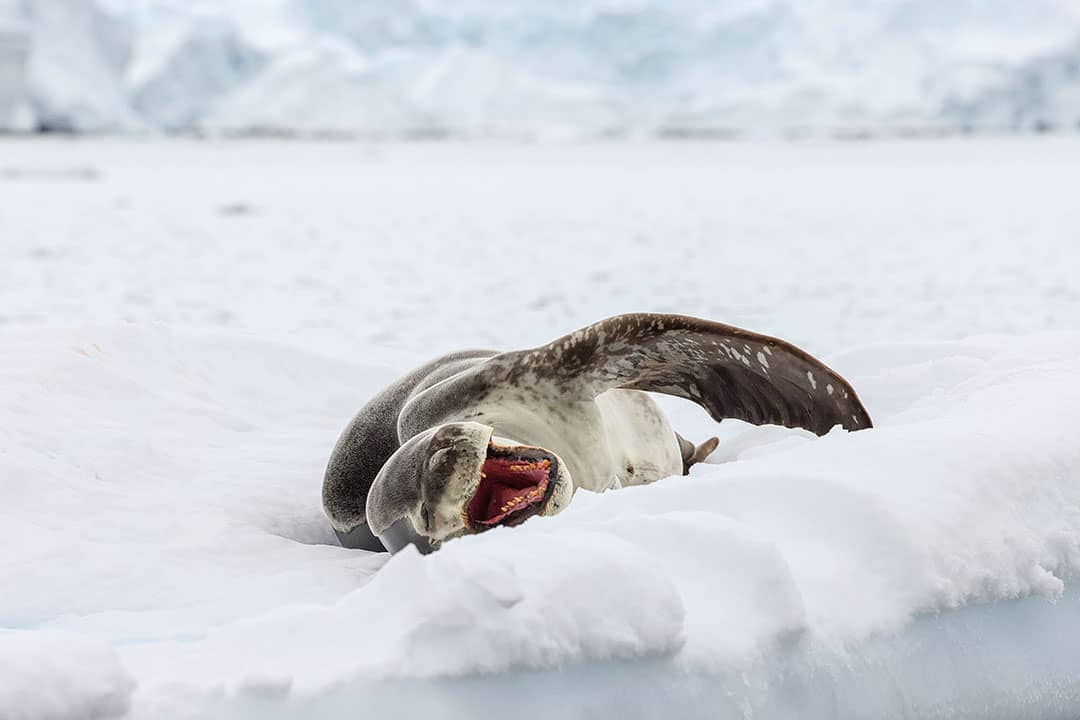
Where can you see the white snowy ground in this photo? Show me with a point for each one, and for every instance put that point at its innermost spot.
(185, 328)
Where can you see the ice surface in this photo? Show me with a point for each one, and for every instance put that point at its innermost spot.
(542, 68)
(183, 342)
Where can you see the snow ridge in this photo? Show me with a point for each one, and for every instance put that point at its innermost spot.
(803, 546)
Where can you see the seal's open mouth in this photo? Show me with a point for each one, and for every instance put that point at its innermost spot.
(514, 484)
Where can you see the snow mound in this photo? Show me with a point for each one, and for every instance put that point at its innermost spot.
(189, 518)
(54, 676)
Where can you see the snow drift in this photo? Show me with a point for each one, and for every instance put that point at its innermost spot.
(823, 571)
(58, 676)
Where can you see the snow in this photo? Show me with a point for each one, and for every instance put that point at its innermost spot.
(279, 100)
(56, 676)
(188, 326)
(602, 68)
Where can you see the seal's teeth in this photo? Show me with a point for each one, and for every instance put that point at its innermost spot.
(512, 502)
(526, 467)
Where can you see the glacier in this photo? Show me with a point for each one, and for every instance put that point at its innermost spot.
(14, 50)
(74, 70)
(599, 69)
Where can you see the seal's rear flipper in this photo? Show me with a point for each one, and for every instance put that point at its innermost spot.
(704, 450)
(692, 455)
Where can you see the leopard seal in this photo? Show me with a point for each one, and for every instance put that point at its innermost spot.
(477, 439)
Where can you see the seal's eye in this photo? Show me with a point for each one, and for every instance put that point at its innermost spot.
(441, 461)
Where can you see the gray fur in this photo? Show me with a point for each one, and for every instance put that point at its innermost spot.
(372, 437)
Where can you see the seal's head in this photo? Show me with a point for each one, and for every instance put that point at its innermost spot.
(458, 479)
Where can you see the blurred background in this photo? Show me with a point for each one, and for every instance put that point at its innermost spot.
(430, 174)
(541, 68)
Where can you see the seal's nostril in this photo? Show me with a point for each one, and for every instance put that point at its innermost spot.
(440, 460)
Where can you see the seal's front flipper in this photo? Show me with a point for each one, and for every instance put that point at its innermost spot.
(400, 534)
(731, 372)
(692, 455)
(359, 538)
(394, 538)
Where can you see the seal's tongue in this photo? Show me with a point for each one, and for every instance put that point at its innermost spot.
(507, 485)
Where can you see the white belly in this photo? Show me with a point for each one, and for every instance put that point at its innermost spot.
(622, 438)
(640, 441)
